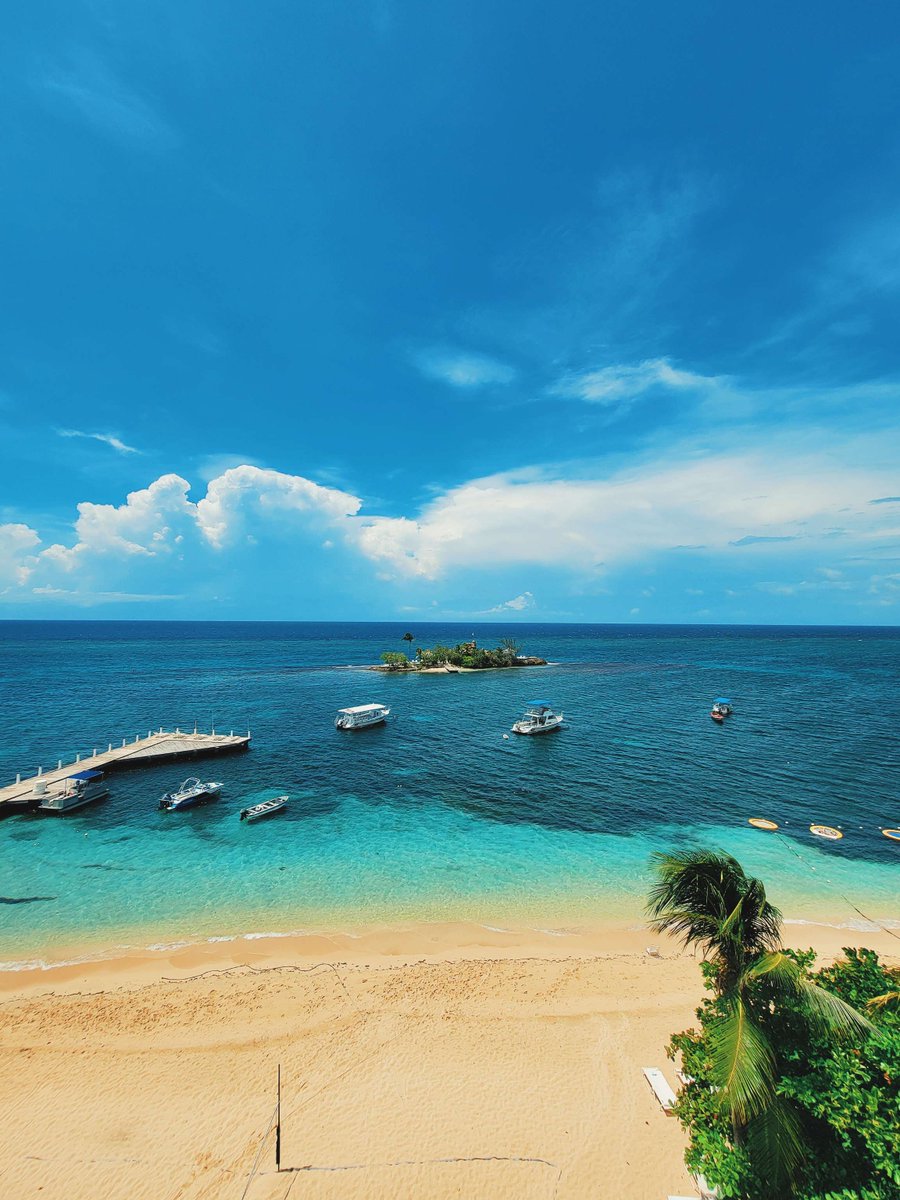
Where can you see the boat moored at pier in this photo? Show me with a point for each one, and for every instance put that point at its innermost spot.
(361, 717)
(84, 787)
(539, 718)
(192, 791)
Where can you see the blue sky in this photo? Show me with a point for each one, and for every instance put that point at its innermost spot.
(400, 310)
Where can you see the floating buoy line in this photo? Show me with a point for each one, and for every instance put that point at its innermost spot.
(831, 834)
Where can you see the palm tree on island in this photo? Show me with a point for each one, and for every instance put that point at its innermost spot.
(409, 638)
(705, 898)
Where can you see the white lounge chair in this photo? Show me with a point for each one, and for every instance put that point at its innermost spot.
(660, 1086)
(706, 1192)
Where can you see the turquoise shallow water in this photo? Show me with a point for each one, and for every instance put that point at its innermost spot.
(435, 816)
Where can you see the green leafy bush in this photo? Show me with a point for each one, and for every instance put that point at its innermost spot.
(845, 1092)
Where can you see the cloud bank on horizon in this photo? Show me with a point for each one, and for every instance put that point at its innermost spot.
(330, 318)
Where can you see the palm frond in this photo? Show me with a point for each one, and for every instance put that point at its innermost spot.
(831, 1013)
(774, 1140)
(889, 1001)
(823, 1009)
(704, 897)
(743, 1064)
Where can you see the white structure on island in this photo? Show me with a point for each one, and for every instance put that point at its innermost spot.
(361, 717)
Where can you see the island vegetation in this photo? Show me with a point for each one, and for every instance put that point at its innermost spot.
(793, 1078)
(465, 656)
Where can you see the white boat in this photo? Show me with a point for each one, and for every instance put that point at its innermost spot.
(265, 809)
(82, 788)
(539, 718)
(361, 717)
(192, 791)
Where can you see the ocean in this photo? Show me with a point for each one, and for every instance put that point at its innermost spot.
(436, 816)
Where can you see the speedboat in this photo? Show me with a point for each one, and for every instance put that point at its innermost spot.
(265, 809)
(192, 791)
(721, 709)
(539, 718)
(361, 717)
(82, 788)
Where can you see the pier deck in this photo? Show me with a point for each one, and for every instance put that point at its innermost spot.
(162, 746)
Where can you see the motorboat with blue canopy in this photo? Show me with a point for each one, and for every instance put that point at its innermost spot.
(721, 708)
(74, 792)
(539, 718)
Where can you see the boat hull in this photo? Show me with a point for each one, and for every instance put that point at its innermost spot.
(530, 730)
(339, 723)
(172, 805)
(259, 812)
(60, 805)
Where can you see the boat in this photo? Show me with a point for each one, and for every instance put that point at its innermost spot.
(539, 718)
(721, 709)
(192, 791)
(84, 787)
(361, 717)
(265, 809)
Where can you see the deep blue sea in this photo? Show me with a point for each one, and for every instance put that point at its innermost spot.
(435, 816)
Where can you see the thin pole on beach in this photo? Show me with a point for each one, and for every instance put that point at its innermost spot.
(278, 1124)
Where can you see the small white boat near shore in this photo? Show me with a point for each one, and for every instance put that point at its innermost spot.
(266, 808)
(361, 717)
(192, 791)
(539, 718)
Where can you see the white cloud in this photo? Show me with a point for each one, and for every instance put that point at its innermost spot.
(118, 546)
(517, 604)
(261, 491)
(109, 439)
(461, 369)
(583, 525)
(17, 544)
(143, 525)
(621, 383)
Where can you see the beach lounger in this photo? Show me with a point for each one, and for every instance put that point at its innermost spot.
(660, 1086)
(683, 1077)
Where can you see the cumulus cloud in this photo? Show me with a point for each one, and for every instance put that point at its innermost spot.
(147, 524)
(517, 604)
(130, 543)
(160, 541)
(17, 546)
(461, 369)
(110, 439)
(257, 491)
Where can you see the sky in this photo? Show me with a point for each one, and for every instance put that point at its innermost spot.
(428, 311)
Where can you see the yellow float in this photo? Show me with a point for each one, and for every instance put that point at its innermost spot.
(761, 823)
(826, 831)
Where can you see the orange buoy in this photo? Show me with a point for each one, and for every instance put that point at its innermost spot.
(826, 831)
(761, 823)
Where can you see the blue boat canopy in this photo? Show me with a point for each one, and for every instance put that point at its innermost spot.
(721, 700)
(539, 704)
(87, 775)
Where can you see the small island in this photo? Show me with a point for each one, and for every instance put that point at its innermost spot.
(466, 656)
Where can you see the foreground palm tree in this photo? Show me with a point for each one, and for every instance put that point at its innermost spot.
(707, 900)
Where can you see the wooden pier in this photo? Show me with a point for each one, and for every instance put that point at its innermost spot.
(161, 746)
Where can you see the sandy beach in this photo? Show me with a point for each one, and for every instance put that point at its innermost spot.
(423, 1061)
